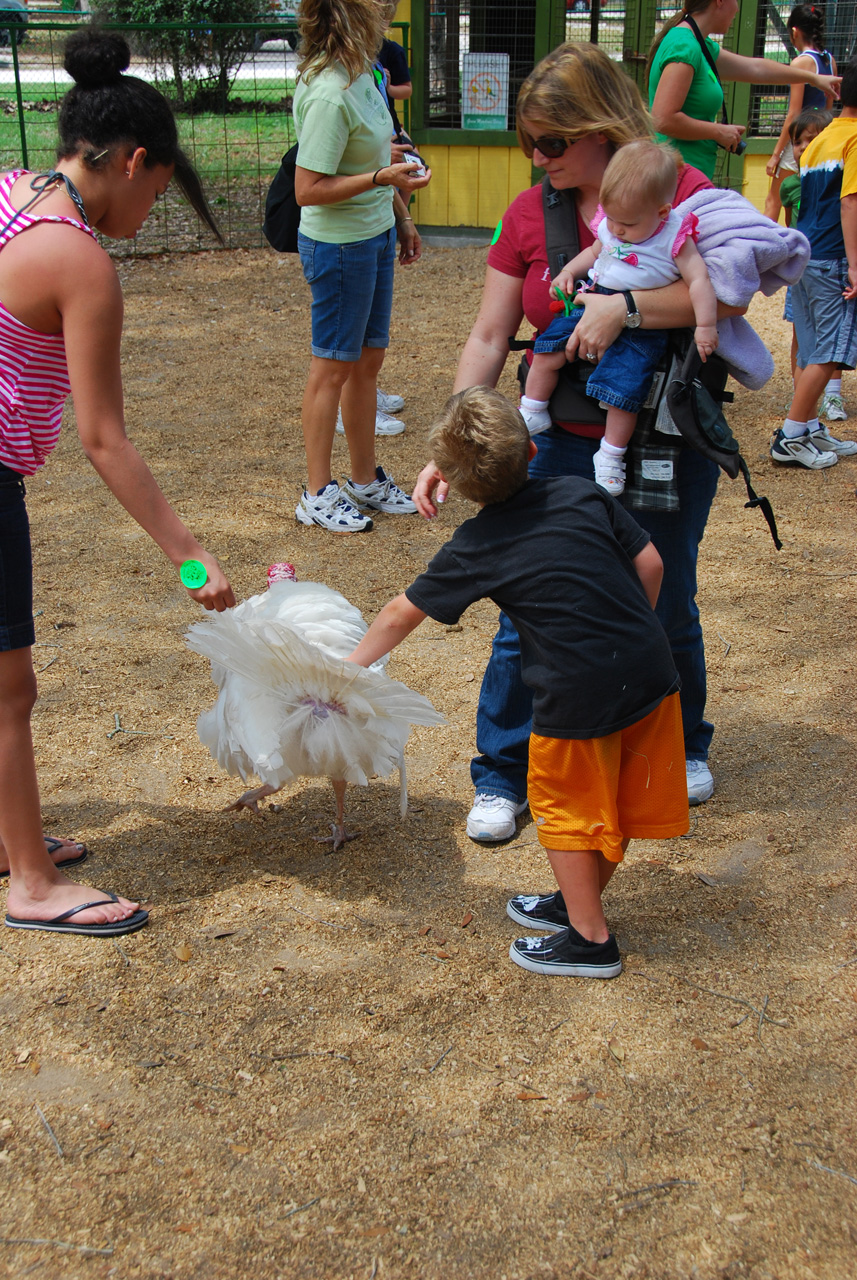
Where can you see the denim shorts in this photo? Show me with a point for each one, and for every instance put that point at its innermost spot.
(825, 324)
(352, 293)
(16, 565)
(624, 374)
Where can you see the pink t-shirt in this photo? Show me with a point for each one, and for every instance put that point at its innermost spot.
(34, 382)
(521, 251)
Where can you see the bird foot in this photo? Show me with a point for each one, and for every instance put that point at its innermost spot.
(338, 837)
(250, 800)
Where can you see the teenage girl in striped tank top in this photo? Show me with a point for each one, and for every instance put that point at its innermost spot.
(60, 332)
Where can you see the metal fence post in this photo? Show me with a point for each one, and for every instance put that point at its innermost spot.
(20, 98)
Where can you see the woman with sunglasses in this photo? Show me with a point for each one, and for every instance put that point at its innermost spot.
(574, 111)
(685, 93)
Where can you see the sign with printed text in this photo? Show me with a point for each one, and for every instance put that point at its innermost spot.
(485, 91)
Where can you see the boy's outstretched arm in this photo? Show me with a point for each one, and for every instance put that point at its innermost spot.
(650, 570)
(395, 621)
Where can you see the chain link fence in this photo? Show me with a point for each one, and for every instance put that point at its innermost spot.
(236, 145)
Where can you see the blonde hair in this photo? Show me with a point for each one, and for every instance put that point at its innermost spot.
(646, 172)
(577, 90)
(347, 32)
(481, 444)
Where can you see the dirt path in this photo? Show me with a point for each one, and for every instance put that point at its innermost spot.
(309, 1065)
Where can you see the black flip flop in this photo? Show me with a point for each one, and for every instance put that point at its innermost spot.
(64, 923)
(52, 844)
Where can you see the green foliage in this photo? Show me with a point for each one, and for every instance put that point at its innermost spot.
(196, 64)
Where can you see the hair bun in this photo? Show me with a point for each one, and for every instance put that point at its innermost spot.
(95, 58)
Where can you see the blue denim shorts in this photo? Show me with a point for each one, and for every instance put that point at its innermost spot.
(825, 324)
(352, 293)
(624, 374)
(16, 565)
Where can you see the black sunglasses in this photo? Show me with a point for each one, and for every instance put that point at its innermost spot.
(552, 147)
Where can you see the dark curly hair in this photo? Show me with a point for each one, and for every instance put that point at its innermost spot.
(106, 109)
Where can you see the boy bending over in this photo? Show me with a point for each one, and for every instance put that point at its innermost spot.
(579, 580)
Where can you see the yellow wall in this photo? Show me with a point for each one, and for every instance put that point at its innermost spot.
(473, 186)
(470, 186)
(756, 181)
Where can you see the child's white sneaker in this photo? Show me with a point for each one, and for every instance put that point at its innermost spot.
(610, 473)
(833, 408)
(535, 415)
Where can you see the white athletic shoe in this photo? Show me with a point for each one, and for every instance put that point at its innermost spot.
(833, 408)
(801, 452)
(493, 818)
(823, 440)
(381, 494)
(388, 402)
(537, 420)
(385, 425)
(332, 511)
(700, 783)
(610, 473)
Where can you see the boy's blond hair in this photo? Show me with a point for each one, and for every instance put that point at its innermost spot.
(643, 172)
(481, 444)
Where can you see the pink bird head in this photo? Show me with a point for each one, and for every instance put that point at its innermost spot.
(281, 573)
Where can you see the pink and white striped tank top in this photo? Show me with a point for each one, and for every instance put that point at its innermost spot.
(34, 382)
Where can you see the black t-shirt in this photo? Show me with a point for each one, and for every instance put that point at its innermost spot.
(392, 56)
(557, 558)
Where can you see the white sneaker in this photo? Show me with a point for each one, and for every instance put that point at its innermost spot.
(389, 403)
(385, 425)
(381, 494)
(800, 451)
(833, 408)
(824, 441)
(493, 818)
(700, 783)
(332, 511)
(610, 473)
(537, 420)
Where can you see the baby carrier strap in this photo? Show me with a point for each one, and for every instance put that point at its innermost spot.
(561, 236)
(569, 402)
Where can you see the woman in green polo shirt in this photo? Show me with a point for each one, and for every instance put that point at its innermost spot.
(350, 218)
(685, 93)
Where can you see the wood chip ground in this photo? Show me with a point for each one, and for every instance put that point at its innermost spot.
(308, 1066)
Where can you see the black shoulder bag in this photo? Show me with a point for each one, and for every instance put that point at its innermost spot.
(282, 211)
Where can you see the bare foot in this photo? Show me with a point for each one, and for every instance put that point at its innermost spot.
(59, 848)
(63, 895)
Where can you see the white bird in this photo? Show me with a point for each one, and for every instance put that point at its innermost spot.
(289, 705)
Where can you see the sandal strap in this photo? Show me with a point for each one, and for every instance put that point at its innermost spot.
(102, 902)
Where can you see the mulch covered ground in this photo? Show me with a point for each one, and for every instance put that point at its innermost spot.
(324, 1065)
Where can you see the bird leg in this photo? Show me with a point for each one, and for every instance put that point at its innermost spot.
(339, 834)
(250, 799)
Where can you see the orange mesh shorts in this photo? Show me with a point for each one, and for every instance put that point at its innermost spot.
(593, 793)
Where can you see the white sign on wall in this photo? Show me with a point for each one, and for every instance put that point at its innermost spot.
(485, 90)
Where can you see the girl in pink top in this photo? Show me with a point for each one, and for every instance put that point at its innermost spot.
(60, 332)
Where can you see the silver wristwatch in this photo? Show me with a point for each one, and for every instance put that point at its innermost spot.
(633, 319)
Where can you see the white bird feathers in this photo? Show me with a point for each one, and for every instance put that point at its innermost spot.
(289, 706)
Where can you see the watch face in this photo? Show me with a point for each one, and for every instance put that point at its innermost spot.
(633, 320)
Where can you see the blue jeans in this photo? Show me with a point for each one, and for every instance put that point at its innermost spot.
(504, 715)
(623, 376)
(352, 293)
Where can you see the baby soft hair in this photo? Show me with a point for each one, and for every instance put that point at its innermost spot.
(643, 172)
(106, 110)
